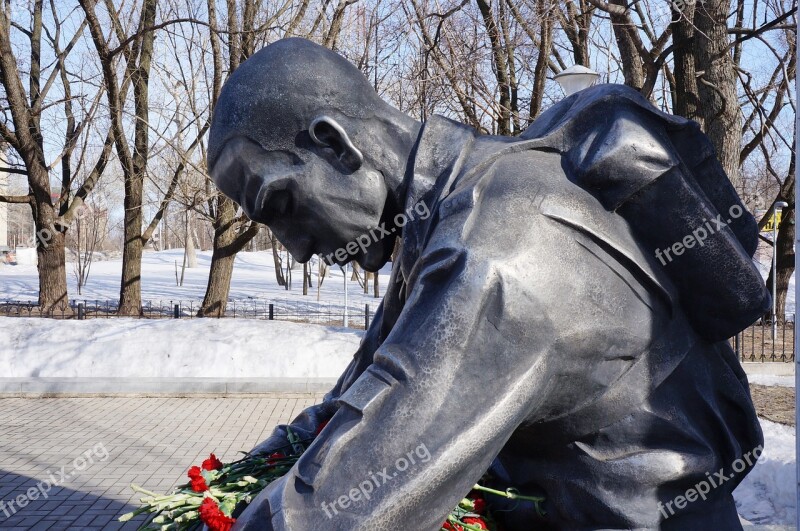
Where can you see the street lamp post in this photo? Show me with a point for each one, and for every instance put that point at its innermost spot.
(775, 208)
(345, 316)
(576, 78)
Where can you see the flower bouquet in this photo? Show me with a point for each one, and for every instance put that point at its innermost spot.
(216, 490)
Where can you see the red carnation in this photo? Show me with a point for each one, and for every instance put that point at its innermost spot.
(273, 458)
(449, 526)
(478, 505)
(213, 517)
(476, 522)
(321, 427)
(212, 463)
(198, 483)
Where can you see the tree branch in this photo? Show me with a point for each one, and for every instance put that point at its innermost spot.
(16, 199)
(18, 171)
(611, 9)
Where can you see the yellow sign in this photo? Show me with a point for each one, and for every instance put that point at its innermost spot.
(771, 221)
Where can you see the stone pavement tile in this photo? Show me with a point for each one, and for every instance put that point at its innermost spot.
(13, 521)
(60, 510)
(61, 522)
(84, 520)
(103, 519)
(31, 520)
(102, 445)
(42, 526)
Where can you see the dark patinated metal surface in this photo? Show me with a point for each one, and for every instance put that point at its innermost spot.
(555, 314)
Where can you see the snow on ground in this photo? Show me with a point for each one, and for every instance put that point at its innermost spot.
(146, 348)
(253, 279)
(257, 348)
(250, 348)
(769, 379)
(767, 494)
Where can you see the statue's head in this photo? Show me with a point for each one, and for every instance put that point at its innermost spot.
(303, 143)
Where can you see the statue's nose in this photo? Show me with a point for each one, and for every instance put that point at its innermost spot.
(252, 195)
(268, 199)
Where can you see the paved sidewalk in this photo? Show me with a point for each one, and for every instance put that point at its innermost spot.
(103, 444)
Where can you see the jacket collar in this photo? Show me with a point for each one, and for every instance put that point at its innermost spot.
(439, 154)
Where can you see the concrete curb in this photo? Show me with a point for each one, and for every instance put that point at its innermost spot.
(771, 368)
(161, 387)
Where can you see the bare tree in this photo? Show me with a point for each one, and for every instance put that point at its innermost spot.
(231, 232)
(91, 228)
(22, 129)
(137, 53)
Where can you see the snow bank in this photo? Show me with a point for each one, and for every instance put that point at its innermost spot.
(769, 379)
(767, 494)
(26, 256)
(141, 348)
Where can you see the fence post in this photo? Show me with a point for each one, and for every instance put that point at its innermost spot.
(366, 317)
(177, 313)
(271, 312)
(81, 315)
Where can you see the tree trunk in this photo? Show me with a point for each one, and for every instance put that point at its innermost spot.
(785, 262)
(276, 260)
(785, 250)
(626, 34)
(50, 260)
(500, 68)
(130, 295)
(685, 101)
(717, 85)
(226, 244)
(191, 252)
(543, 8)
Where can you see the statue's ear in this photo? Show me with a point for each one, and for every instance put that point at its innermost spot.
(326, 132)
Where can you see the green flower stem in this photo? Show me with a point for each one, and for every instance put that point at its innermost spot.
(139, 489)
(188, 517)
(511, 494)
(469, 527)
(127, 516)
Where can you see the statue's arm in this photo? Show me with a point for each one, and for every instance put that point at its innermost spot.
(416, 430)
(307, 423)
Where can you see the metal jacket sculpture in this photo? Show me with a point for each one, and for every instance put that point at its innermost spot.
(556, 314)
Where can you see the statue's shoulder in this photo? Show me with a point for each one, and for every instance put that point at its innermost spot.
(505, 184)
(604, 103)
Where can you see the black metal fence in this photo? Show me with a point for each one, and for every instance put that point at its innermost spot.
(763, 342)
(756, 343)
(297, 310)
